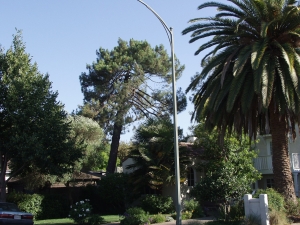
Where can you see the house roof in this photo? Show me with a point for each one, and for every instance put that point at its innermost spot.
(193, 150)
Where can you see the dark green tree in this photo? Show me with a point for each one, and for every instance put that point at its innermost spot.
(229, 170)
(126, 84)
(88, 136)
(250, 77)
(33, 128)
(153, 155)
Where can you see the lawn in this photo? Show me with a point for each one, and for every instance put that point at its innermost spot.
(66, 221)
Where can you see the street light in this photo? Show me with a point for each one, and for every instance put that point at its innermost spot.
(169, 32)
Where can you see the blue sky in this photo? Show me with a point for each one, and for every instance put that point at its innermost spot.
(62, 36)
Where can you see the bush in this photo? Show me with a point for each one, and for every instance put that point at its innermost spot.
(95, 219)
(157, 204)
(112, 194)
(185, 215)
(158, 218)
(292, 208)
(41, 206)
(194, 207)
(275, 200)
(135, 216)
(278, 218)
(27, 202)
(237, 211)
(54, 207)
(80, 211)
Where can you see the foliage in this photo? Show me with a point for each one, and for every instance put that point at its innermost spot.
(88, 136)
(278, 218)
(80, 211)
(87, 132)
(117, 88)
(153, 155)
(33, 129)
(194, 207)
(123, 151)
(238, 88)
(186, 215)
(46, 206)
(253, 220)
(157, 204)
(54, 206)
(111, 195)
(95, 219)
(292, 208)
(27, 202)
(158, 218)
(135, 216)
(235, 212)
(229, 169)
(275, 199)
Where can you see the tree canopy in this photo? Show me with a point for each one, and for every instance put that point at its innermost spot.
(153, 155)
(250, 77)
(88, 134)
(126, 84)
(229, 170)
(33, 128)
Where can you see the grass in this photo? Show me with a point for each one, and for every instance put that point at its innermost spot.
(67, 221)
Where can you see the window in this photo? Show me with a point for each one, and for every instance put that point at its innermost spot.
(270, 148)
(190, 177)
(270, 183)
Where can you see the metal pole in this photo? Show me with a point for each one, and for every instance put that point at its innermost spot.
(176, 149)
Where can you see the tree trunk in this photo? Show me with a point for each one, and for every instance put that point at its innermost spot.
(2, 178)
(114, 146)
(283, 179)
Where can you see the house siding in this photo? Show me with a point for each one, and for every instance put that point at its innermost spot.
(263, 162)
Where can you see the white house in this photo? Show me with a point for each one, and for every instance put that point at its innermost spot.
(263, 163)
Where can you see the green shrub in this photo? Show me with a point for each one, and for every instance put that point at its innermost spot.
(158, 218)
(292, 208)
(275, 200)
(185, 215)
(157, 204)
(80, 211)
(278, 218)
(135, 216)
(111, 195)
(27, 202)
(54, 206)
(237, 211)
(95, 219)
(194, 207)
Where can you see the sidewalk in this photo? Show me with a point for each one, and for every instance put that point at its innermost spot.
(186, 222)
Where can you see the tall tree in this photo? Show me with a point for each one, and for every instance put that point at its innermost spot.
(126, 84)
(153, 155)
(33, 129)
(250, 78)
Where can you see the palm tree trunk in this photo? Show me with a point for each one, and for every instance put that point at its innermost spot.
(111, 166)
(281, 161)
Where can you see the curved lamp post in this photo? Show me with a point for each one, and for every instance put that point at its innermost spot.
(169, 32)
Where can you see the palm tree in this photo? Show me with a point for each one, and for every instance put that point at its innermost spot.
(153, 155)
(250, 76)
